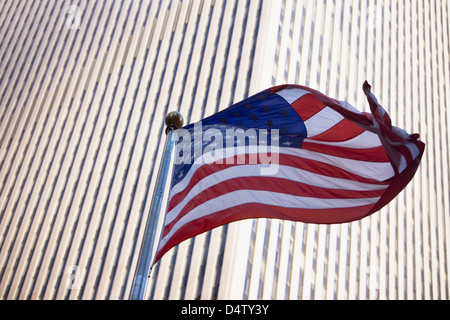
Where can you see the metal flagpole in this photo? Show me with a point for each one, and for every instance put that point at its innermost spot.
(174, 120)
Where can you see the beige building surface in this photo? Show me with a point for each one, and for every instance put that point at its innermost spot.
(84, 89)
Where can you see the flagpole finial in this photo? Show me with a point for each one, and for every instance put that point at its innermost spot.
(174, 120)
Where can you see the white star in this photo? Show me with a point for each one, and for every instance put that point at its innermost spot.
(287, 143)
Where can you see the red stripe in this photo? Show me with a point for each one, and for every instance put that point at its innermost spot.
(344, 130)
(376, 154)
(362, 119)
(254, 210)
(284, 159)
(277, 185)
(404, 150)
(307, 106)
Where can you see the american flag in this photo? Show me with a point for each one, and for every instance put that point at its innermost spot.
(331, 163)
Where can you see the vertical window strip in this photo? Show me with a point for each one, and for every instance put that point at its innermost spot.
(249, 261)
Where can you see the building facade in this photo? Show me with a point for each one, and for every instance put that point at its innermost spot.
(84, 89)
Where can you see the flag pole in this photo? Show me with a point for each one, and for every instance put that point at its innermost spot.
(174, 120)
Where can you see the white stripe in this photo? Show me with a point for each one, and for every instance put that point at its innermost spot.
(400, 132)
(381, 111)
(413, 149)
(414, 153)
(322, 121)
(348, 106)
(371, 95)
(378, 171)
(284, 172)
(365, 140)
(292, 94)
(241, 197)
(402, 166)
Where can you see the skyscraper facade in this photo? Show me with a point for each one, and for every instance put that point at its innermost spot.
(84, 89)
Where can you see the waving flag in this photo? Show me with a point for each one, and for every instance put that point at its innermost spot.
(291, 153)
